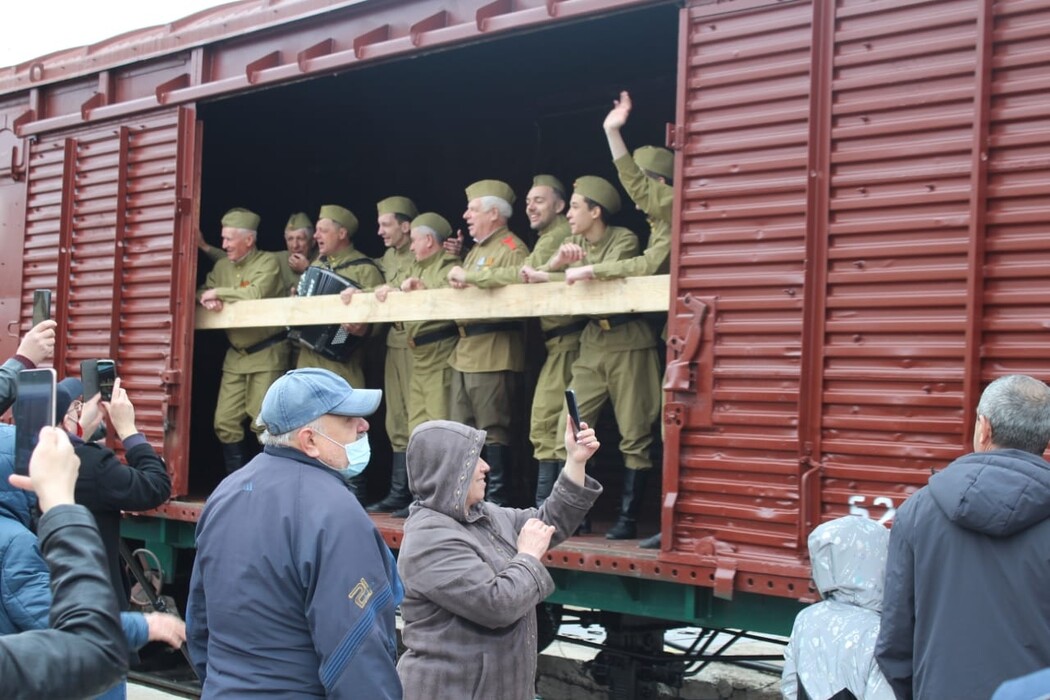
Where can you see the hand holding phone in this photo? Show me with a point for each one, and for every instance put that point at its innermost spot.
(107, 375)
(574, 411)
(41, 306)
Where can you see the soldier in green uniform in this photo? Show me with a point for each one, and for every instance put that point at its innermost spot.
(647, 178)
(256, 356)
(431, 342)
(299, 246)
(544, 206)
(335, 228)
(301, 251)
(489, 358)
(394, 219)
(618, 359)
(334, 231)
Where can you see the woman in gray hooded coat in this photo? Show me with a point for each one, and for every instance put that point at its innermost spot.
(472, 570)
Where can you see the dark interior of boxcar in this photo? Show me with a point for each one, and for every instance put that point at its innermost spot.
(426, 127)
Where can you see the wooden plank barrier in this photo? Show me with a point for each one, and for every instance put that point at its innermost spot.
(591, 298)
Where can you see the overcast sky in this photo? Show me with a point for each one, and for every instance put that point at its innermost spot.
(34, 28)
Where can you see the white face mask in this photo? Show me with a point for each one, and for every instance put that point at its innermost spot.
(358, 453)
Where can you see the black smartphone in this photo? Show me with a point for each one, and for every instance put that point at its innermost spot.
(41, 306)
(34, 409)
(89, 378)
(574, 411)
(107, 374)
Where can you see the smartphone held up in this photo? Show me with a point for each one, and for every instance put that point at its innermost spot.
(34, 409)
(98, 377)
(574, 411)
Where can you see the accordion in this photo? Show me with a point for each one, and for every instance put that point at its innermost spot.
(329, 341)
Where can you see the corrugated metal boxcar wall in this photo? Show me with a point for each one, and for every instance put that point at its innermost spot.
(103, 207)
(864, 214)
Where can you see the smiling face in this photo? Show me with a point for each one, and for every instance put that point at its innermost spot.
(476, 491)
(393, 232)
(542, 206)
(237, 242)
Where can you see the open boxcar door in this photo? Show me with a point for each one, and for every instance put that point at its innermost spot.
(109, 223)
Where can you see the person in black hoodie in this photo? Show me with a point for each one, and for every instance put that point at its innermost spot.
(84, 652)
(965, 604)
(107, 486)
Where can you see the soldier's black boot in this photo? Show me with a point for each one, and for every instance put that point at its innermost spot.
(546, 475)
(399, 497)
(498, 491)
(232, 456)
(650, 542)
(626, 527)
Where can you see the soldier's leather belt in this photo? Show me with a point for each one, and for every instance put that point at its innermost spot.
(263, 344)
(574, 327)
(483, 328)
(433, 336)
(610, 322)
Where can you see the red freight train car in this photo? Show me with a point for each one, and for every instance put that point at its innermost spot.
(860, 243)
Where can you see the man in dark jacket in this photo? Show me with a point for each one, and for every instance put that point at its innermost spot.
(965, 604)
(106, 486)
(293, 589)
(84, 652)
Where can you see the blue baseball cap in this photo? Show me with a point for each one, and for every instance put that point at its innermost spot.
(304, 395)
(66, 392)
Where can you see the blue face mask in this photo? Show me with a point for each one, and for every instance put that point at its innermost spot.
(357, 455)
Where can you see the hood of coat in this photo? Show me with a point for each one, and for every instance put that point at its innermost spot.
(441, 458)
(848, 556)
(997, 493)
(15, 504)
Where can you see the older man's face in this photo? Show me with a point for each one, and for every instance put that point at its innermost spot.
(237, 242)
(297, 241)
(480, 223)
(330, 237)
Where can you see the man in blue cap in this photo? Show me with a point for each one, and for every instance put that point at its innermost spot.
(293, 589)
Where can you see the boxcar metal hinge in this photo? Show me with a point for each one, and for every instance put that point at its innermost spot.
(680, 376)
(725, 564)
(183, 206)
(675, 137)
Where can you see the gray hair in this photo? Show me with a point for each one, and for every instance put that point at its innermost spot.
(309, 230)
(432, 233)
(1018, 409)
(499, 204)
(286, 439)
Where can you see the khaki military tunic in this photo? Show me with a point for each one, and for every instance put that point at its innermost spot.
(488, 366)
(351, 264)
(395, 265)
(562, 339)
(656, 199)
(246, 374)
(431, 380)
(618, 361)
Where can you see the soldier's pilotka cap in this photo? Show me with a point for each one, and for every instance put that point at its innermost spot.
(239, 217)
(297, 221)
(340, 215)
(436, 223)
(491, 188)
(656, 160)
(550, 181)
(600, 190)
(397, 205)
